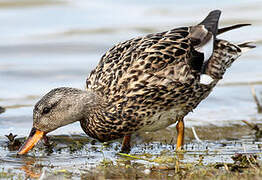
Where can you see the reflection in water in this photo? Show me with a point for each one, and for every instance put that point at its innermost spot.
(30, 169)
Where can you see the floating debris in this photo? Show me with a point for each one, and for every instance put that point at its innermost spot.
(258, 133)
(245, 160)
(13, 144)
(241, 161)
(49, 146)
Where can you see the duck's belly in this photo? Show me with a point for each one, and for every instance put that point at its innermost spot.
(161, 120)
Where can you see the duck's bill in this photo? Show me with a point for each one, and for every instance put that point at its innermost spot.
(34, 136)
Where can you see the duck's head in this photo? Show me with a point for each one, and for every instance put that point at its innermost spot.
(59, 107)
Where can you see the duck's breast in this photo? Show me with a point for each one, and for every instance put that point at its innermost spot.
(161, 120)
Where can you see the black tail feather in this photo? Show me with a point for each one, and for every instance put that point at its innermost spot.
(211, 21)
(247, 44)
(229, 28)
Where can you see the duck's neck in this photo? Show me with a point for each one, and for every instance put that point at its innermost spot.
(90, 100)
(92, 112)
(98, 121)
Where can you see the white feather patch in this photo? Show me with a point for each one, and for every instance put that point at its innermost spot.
(245, 49)
(207, 49)
(205, 79)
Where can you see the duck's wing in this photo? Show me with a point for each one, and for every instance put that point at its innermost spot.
(143, 61)
(157, 59)
(168, 60)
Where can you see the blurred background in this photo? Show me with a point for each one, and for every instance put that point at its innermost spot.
(51, 43)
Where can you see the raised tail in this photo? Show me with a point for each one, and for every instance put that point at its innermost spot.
(205, 31)
(220, 53)
(211, 21)
(229, 28)
(212, 56)
(225, 54)
(203, 35)
(203, 38)
(246, 46)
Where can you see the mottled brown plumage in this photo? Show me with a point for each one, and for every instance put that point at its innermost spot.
(144, 84)
(147, 76)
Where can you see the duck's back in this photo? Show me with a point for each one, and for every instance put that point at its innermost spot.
(131, 67)
(146, 80)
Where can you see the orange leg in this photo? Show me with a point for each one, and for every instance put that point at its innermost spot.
(180, 134)
(126, 147)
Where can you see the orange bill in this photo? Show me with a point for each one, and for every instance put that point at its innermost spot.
(34, 136)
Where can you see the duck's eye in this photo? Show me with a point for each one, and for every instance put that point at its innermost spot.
(46, 110)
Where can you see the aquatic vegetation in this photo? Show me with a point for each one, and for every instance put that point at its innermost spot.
(13, 144)
(212, 159)
(258, 131)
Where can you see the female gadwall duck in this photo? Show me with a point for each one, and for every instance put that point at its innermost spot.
(143, 84)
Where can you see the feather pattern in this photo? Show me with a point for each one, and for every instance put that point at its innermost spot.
(147, 83)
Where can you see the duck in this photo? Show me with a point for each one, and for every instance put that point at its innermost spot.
(142, 85)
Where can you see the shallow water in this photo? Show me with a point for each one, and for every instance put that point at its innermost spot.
(57, 43)
(77, 156)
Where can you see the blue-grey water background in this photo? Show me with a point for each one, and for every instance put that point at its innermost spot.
(48, 44)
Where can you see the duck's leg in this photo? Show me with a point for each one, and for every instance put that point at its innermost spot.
(126, 147)
(180, 134)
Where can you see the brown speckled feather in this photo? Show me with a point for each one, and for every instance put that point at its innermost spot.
(147, 83)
